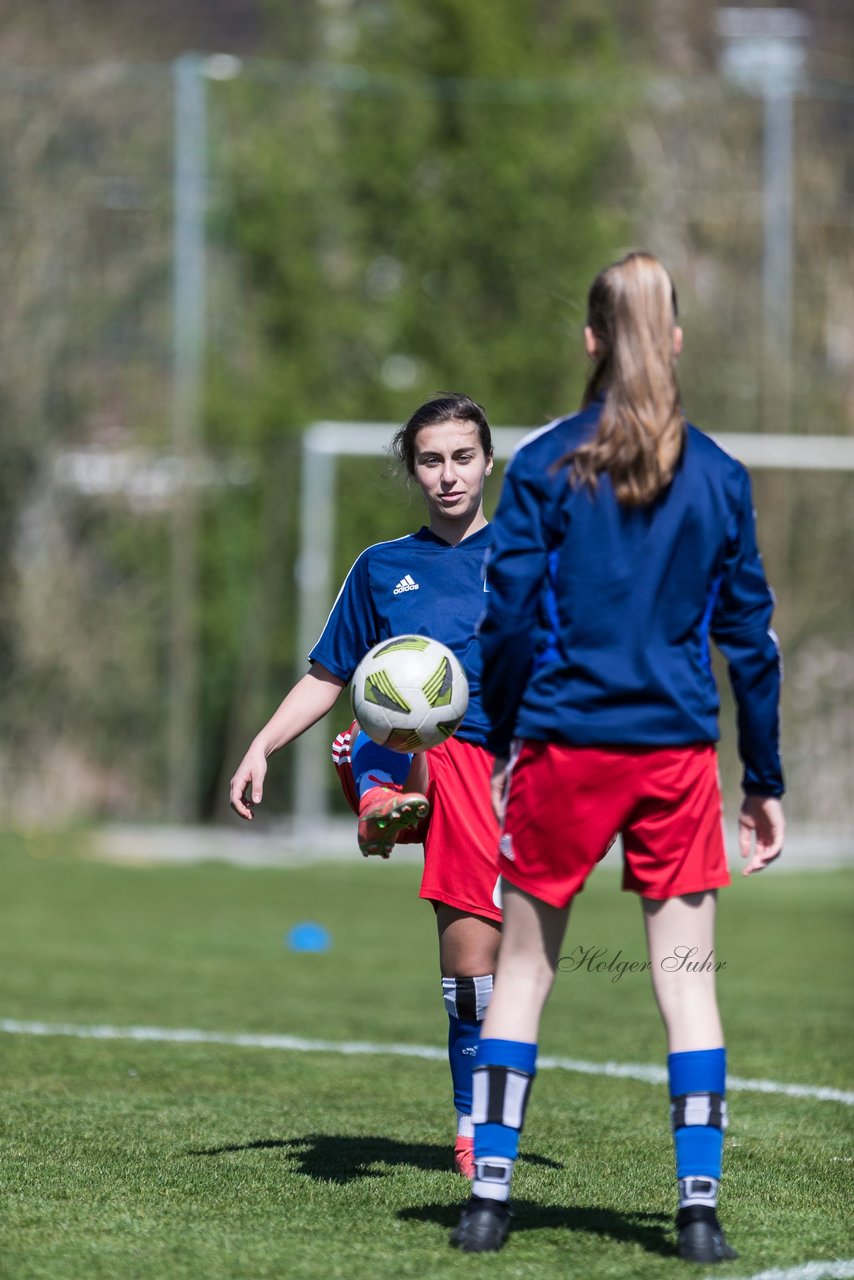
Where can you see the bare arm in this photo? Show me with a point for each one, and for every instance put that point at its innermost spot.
(309, 701)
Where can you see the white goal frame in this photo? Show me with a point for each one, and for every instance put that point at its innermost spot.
(324, 443)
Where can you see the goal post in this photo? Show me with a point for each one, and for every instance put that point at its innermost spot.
(325, 443)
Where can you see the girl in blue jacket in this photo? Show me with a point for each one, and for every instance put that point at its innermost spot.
(624, 541)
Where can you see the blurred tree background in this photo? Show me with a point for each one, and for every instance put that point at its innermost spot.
(401, 197)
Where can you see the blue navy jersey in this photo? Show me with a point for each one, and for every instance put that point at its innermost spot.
(417, 585)
(599, 615)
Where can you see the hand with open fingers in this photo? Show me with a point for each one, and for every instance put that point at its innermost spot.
(499, 787)
(247, 785)
(760, 817)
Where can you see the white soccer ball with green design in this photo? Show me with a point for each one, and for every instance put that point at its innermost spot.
(409, 693)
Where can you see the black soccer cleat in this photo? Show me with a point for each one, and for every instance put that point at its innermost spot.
(701, 1237)
(483, 1226)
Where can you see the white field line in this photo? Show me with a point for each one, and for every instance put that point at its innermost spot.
(355, 1048)
(839, 1270)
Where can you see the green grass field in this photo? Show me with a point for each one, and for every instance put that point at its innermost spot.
(126, 1159)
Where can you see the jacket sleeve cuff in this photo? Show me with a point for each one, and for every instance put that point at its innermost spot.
(498, 746)
(775, 790)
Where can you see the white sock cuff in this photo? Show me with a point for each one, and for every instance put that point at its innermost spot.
(467, 998)
(492, 1178)
(697, 1190)
(465, 1126)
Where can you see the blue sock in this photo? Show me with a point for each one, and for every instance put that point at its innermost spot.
(374, 765)
(502, 1085)
(698, 1119)
(466, 1002)
(463, 1037)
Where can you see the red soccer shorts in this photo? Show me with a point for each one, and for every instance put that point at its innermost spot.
(566, 804)
(460, 837)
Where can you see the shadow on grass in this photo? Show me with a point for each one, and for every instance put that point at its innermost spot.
(652, 1231)
(334, 1158)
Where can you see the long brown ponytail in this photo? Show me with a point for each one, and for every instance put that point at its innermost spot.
(631, 309)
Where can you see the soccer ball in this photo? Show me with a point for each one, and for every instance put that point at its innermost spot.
(409, 693)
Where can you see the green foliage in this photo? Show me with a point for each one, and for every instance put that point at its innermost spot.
(400, 212)
(427, 221)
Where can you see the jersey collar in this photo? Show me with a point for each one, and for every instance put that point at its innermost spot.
(479, 539)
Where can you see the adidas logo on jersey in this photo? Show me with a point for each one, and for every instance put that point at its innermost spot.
(406, 584)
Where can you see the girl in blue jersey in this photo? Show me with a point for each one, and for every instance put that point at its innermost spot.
(430, 583)
(623, 541)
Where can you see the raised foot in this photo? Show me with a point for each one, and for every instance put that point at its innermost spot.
(384, 813)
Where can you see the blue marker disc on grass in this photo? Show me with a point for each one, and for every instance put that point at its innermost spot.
(308, 936)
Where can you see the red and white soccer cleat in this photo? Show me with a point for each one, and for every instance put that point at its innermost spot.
(464, 1157)
(384, 813)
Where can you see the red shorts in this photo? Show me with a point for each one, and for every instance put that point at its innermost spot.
(460, 837)
(565, 806)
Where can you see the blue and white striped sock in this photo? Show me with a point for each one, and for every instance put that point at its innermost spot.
(698, 1118)
(502, 1085)
(466, 1003)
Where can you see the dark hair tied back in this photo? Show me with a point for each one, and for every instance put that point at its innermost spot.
(448, 406)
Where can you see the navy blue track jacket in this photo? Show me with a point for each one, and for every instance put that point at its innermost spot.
(598, 618)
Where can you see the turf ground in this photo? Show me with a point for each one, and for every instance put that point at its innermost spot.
(129, 1160)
